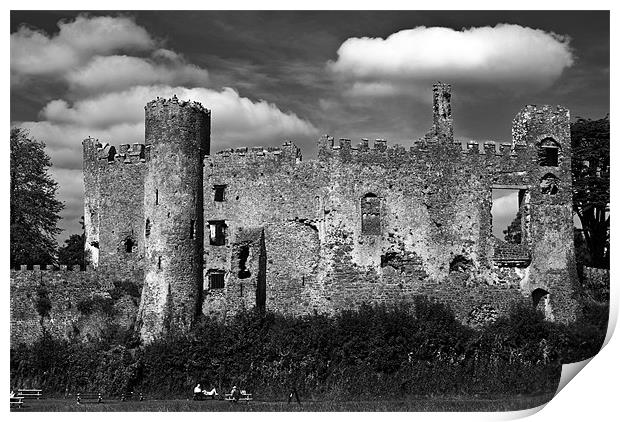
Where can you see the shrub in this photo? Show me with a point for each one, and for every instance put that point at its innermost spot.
(393, 352)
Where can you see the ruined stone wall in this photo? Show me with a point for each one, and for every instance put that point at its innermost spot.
(177, 138)
(431, 231)
(113, 209)
(435, 202)
(68, 303)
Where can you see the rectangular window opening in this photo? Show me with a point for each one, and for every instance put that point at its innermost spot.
(217, 233)
(218, 195)
(156, 197)
(191, 229)
(216, 280)
(549, 156)
(508, 214)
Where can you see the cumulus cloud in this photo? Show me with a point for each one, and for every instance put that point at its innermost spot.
(510, 57)
(118, 117)
(110, 73)
(35, 53)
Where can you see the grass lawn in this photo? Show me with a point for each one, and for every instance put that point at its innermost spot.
(417, 404)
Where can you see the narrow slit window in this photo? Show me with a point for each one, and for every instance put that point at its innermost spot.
(219, 191)
(191, 229)
(217, 233)
(216, 280)
(159, 263)
(156, 197)
(147, 228)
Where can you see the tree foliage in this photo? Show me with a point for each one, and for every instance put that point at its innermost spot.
(72, 253)
(590, 171)
(34, 208)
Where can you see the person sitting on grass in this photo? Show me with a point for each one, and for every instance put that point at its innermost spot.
(198, 393)
(211, 393)
(234, 394)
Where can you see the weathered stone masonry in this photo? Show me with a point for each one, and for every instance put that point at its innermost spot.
(216, 233)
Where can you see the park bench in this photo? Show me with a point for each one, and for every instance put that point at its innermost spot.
(243, 396)
(89, 397)
(17, 401)
(130, 395)
(29, 393)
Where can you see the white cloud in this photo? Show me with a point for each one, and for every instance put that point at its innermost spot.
(510, 57)
(35, 53)
(110, 73)
(118, 117)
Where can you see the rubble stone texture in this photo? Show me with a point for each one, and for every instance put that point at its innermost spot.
(261, 227)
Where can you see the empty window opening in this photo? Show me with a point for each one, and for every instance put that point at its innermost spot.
(156, 197)
(129, 245)
(540, 299)
(371, 214)
(95, 244)
(218, 195)
(244, 253)
(191, 229)
(217, 233)
(548, 153)
(507, 214)
(549, 184)
(460, 264)
(216, 280)
(111, 154)
(159, 263)
(147, 228)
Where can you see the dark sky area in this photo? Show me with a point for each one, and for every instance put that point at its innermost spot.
(270, 76)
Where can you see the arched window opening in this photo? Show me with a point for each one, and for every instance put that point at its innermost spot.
(371, 214)
(244, 254)
(539, 298)
(549, 184)
(460, 264)
(548, 153)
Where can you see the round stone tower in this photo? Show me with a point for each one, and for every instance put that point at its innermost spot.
(177, 138)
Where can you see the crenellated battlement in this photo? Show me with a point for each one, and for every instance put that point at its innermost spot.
(48, 268)
(125, 154)
(175, 102)
(329, 148)
(287, 152)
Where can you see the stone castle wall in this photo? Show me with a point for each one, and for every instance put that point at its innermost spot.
(68, 303)
(216, 233)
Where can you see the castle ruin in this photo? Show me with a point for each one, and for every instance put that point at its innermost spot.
(212, 234)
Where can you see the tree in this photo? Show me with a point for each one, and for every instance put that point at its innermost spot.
(72, 253)
(590, 171)
(34, 209)
(512, 234)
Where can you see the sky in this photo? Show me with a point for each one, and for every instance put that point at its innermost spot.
(275, 76)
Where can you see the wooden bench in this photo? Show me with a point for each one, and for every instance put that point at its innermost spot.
(89, 397)
(29, 393)
(17, 401)
(132, 396)
(243, 396)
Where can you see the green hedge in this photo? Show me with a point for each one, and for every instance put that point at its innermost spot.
(374, 351)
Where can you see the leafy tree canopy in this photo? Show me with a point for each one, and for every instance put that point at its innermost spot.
(590, 168)
(34, 208)
(72, 253)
